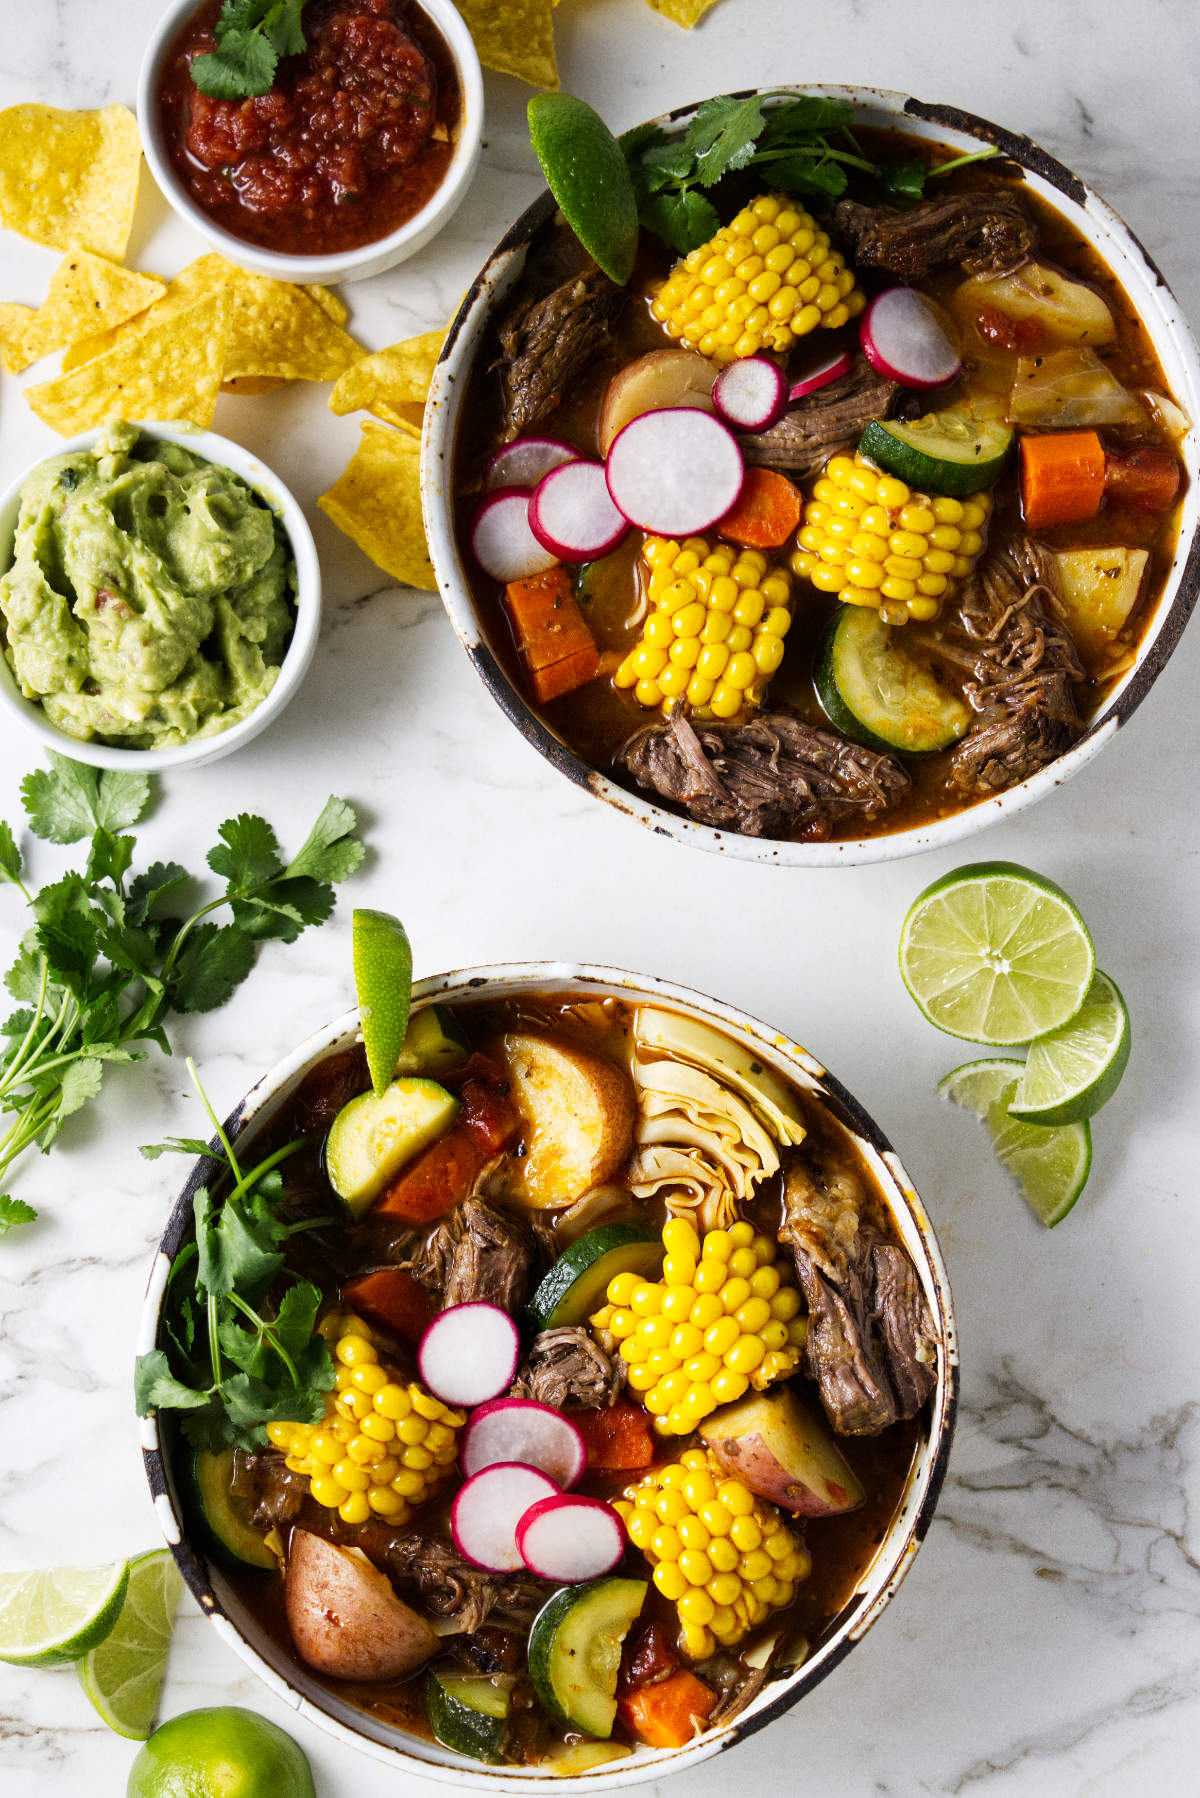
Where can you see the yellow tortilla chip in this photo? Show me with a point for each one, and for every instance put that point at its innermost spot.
(377, 503)
(70, 179)
(252, 384)
(15, 320)
(172, 370)
(86, 292)
(329, 303)
(393, 383)
(684, 12)
(516, 38)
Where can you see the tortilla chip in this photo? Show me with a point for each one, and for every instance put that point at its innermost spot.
(70, 179)
(172, 370)
(684, 12)
(247, 385)
(377, 503)
(517, 38)
(393, 383)
(15, 320)
(329, 303)
(85, 291)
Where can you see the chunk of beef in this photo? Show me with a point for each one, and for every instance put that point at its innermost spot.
(565, 1367)
(871, 1348)
(451, 1587)
(987, 231)
(833, 418)
(477, 1253)
(548, 340)
(772, 776)
(266, 1480)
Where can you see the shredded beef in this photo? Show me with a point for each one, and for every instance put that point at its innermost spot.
(773, 776)
(451, 1587)
(547, 341)
(477, 1253)
(832, 418)
(275, 1491)
(988, 232)
(565, 1367)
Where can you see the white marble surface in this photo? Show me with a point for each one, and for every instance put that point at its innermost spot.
(1048, 1641)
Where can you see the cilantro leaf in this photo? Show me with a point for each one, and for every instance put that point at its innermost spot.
(808, 115)
(80, 1082)
(247, 853)
(14, 1212)
(154, 1385)
(903, 180)
(145, 890)
(284, 28)
(685, 220)
(240, 68)
(109, 857)
(284, 910)
(722, 136)
(805, 174)
(331, 851)
(237, 1249)
(175, 1145)
(71, 801)
(24, 978)
(10, 855)
(212, 964)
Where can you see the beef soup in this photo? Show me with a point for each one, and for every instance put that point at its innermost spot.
(726, 1357)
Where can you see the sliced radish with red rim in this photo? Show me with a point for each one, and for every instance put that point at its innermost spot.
(908, 338)
(485, 1515)
(518, 1429)
(501, 540)
(570, 1539)
(675, 471)
(469, 1354)
(572, 513)
(816, 378)
(750, 394)
(523, 463)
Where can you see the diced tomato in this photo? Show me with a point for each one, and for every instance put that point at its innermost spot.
(1016, 334)
(489, 1115)
(649, 1654)
(394, 1298)
(1147, 479)
(617, 1440)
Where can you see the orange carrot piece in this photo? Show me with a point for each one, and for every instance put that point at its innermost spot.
(670, 1713)
(767, 511)
(1062, 478)
(394, 1298)
(534, 604)
(563, 677)
(617, 1440)
(441, 1176)
(1147, 479)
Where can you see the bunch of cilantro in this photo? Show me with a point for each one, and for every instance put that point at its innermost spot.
(110, 954)
(251, 36)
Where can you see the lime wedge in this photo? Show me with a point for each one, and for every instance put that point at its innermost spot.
(49, 1618)
(996, 953)
(123, 1674)
(586, 171)
(1074, 1070)
(1050, 1165)
(383, 979)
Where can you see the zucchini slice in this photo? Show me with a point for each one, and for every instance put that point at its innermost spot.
(433, 1043)
(945, 452)
(468, 1714)
(224, 1528)
(575, 1651)
(874, 692)
(576, 1284)
(373, 1136)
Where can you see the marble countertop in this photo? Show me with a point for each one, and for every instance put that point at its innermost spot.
(1047, 1642)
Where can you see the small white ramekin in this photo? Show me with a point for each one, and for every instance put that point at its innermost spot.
(297, 657)
(342, 265)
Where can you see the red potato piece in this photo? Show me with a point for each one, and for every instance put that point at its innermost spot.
(345, 1619)
(659, 379)
(775, 1445)
(579, 1112)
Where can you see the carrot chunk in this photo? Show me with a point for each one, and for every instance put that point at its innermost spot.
(1062, 478)
(670, 1713)
(556, 645)
(534, 605)
(563, 677)
(394, 1298)
(440, 1178)
(1147, 479)
(618, 1439)
(767, 511)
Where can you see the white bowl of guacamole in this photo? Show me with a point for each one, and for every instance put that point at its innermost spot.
(160, 596)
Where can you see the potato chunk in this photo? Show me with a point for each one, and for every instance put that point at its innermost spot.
(578, 1110)
(775, 1445)
(345, 1619)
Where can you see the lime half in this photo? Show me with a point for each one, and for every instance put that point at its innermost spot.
(1074, 1070)
(586, 171)
(1050, 1165)
(50, 1618)
(220, 1752)
(123, 1674)
(383, 980)
(996, 953)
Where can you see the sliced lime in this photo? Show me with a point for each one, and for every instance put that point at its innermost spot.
(1074, 1070)
(586, 171)
(50, 1617)
(996, 953)
(123, 1674)
(1049, 1164)
(383, 979)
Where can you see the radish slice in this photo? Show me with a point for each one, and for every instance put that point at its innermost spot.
(501, 540)
(523, 463)
(485, 1515)
(517, 1429)
(908, 338)
(570, 1539)
(833, 370)
(469, 1353)
(750, 394)
(675, 471)
(573, 515)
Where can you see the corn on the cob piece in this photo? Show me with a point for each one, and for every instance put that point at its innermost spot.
(763, 281)
(384, 1444)
(715, 630)
(721, 1319)
(873, 541)
(723, 1557)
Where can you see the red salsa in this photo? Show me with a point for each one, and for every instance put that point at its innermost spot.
(351, 141)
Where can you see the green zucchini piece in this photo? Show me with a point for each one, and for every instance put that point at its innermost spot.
(575, 1651)
(576, 1284)
(945, 452)
(433, 1044)
(468, 1714)
(373, 1136)
(876, 693)
(565, 1758)
(221, 1519)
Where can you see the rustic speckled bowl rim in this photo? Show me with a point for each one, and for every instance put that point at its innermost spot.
(906, 1532)
(1177, 350)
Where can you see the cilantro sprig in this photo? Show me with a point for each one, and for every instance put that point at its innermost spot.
(241, 1328)
(251, 36)
(110, 954)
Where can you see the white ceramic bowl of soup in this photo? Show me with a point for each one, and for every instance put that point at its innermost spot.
(319, 1703)
(1174, 344)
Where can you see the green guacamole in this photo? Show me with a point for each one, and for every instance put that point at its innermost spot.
(151, 593)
